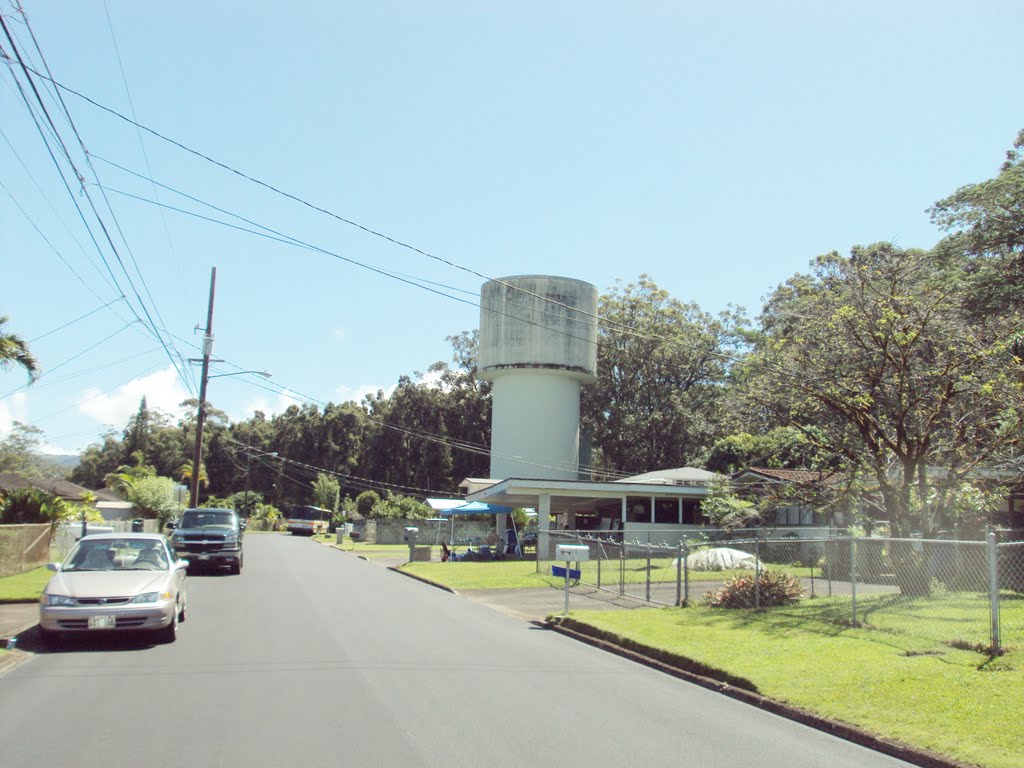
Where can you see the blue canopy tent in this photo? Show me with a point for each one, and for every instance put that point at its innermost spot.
(477, 508)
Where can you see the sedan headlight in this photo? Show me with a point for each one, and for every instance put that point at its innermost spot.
(151, 597)
(62, 600)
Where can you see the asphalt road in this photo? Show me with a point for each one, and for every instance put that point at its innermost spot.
(313, 657)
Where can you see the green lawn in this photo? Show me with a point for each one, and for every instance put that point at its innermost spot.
(24, 587)
(886, 678)
(496, 574)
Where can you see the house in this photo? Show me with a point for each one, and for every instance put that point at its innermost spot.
(110, 505)
(664, 503)
(799, 507)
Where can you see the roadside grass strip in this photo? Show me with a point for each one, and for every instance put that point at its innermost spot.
(24, 587)
(888, 677)
(497, 574)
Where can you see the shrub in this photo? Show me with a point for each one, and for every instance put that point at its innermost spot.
(776, 588)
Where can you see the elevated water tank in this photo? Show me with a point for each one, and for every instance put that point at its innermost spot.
(538, 346)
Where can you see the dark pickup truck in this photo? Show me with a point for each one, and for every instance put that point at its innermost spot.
(209, 537)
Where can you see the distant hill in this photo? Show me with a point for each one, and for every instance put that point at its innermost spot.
(69, 461)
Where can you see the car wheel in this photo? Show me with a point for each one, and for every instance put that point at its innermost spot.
(235, 568)
(169, 633)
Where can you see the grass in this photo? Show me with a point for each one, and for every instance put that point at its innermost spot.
(24, 587)
(497, 574)
(889, 677)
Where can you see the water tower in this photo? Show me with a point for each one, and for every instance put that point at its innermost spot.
(538, 346)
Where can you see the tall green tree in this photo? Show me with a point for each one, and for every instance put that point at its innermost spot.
(986, 222)
(872, 358)
(661, 368)
(18, 450)
(14, 350)
(326, 492)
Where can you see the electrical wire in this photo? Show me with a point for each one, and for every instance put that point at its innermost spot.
(26, 72)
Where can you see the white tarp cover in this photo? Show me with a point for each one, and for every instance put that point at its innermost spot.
(719, 559)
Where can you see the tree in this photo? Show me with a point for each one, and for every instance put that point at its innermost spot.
(154, 497)
(97, 461)
(661, 365)
(778, 448)
(18, 450)
(987, 222)
(136, 434)
(14, 351)
(399, 507)
(872, 358)
(122, 479)
(326, 492)
(185, 473)
(366, 502)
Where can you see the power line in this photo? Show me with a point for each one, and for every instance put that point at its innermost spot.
(77, 319)
(117, 223)
(26, 71)
(611, 325)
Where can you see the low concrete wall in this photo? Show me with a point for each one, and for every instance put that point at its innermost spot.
(431, 531)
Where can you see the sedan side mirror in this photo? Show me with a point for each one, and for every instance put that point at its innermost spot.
(171, 526)
(53, 566)
(181, 564)
(241, 525)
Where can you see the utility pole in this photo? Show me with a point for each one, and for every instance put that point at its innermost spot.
(197, 454)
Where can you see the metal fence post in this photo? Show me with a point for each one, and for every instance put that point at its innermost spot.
(622, 567)
(757, 573)
(993, 588)
(648, 568)
(686, 574)
(679, 574)
(600, 556)
(853, 576)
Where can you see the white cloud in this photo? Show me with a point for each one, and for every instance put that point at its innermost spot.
(345, 393)
(269, 406)
(14, 408)
(338, 334)
(163, 391)
(432, 380)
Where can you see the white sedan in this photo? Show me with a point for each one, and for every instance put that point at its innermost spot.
(116, 581)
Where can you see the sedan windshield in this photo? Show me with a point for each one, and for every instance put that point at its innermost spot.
(117, 555)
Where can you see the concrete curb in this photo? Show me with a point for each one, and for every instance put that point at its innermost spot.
(422, 580)
(671, 666)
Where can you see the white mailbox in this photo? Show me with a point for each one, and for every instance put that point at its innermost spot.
(573, 553)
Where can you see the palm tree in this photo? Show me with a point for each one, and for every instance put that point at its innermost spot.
(185, 473)
(14, 349)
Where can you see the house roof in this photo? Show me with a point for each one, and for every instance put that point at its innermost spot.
(783, 475)
(12, 481)
(677, 476)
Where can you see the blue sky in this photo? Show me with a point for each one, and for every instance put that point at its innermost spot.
(716, 147)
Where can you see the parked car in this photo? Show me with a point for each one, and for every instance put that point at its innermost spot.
(116, 581)
(210, 537)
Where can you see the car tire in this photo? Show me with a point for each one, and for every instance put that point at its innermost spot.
(181, 613)
(235, 568)
(169, 633)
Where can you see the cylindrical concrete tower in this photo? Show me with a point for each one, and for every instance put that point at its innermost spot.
(538, 345)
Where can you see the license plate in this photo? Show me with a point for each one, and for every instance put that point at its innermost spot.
(204, 557)
(101, 622)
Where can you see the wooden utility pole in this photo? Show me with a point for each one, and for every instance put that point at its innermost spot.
(197, 454)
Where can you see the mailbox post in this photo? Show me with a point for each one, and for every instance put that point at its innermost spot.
(569, 553)
(410, 535)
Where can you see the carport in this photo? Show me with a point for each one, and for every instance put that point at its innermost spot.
(664, 501)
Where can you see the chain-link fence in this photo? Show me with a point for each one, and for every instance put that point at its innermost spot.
(23, 547)
(965, 594)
